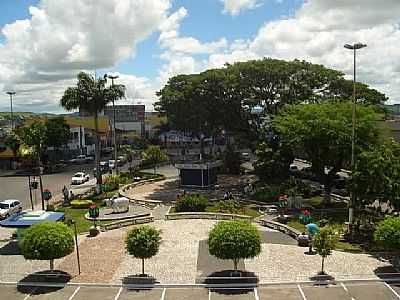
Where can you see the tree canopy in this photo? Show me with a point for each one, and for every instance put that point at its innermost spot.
(234, 240)
(47, 241)
(153, 155)
(57, 132)
(226, 98)
(380, 162)
(322, 134)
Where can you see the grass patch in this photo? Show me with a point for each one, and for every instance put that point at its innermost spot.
(296, 225)
(347, 247)
(78, 215)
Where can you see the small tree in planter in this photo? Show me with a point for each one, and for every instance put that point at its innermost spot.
(153, 155)
(47, 241)
(143, 242)
(234, 240)
(324, 242)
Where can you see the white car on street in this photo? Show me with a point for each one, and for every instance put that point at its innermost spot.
(9, 207)
(80, 178)
(111, 163)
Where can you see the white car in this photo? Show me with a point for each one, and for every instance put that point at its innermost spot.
(79, 178)
(111, 163)
(9, 207)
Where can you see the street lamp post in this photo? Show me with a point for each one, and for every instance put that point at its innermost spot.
(112, 77)
(354, 48)
(11, 104)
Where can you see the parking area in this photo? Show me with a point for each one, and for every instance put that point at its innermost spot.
(340, 291)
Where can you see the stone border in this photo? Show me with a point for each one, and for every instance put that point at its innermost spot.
(117, 218)
(204, 215)
(151, 203)
(294, 233)
(124, 223)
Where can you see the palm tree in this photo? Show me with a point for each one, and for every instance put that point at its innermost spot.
(91, 95)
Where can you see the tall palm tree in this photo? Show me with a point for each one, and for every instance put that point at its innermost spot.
(92, 95)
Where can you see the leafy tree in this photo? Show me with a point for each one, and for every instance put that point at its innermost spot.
(57, 132)
(377, 174)
(47, 241)
(143, 242)
(13, 142)
(231, 161)
(34, 136)
(153, 155)
(387, 233)
(92, 95)
(226, 98)
(191, 202)
(322, 133)
(234, 240)
(324, 241)
(273, 164)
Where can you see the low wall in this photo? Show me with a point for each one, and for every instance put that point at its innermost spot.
(124, 223)
(150, 203)
(294, 233)
(205, 215)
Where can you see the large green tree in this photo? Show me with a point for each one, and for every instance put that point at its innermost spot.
(47, 241)
(234, 240)
(143, 242)
(322, 134)
(57, 132)
(13, 142)
(91, 95)
(34, 136)
(154, 155)
(228, 98)
(377, 174)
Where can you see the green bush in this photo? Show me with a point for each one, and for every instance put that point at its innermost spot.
(267, 194)
(81, 204)
(111, 183)
(188, 203)
(387, 233)
(228, 206)
(47, 241)
(234, 240)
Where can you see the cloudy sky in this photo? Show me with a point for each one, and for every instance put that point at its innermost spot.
(45, 43)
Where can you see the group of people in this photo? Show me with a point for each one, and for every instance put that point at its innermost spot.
(228, 196)
(68, 194)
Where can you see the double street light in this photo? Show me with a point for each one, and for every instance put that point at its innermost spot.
(11, 94)
(112, 77)
(354, 48)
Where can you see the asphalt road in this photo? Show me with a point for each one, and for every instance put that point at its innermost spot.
(340, 291)
(16, 187)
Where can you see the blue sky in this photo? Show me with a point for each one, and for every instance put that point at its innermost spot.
(148, 41)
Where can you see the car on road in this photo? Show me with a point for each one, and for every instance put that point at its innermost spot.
(80, 178)
(104, 168)
(80, 159)
(111, 163)
(9, 207)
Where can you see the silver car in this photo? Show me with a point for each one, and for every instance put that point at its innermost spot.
(9, 207)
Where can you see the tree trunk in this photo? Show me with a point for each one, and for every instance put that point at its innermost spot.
(322, 267)
(51, 264)
(142, 266)
(327, 192)
(235, 264)
(97, 154)
(155, 169)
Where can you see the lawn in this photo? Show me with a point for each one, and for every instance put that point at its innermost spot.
(78, 215)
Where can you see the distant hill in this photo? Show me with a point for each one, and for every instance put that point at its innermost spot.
(24, 114)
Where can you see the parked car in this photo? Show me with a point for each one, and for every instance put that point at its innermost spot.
(9, 207)
(293, 169)
(107, 150)
(80, 159)
(80, 178)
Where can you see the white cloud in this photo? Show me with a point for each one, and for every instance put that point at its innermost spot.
(233, 7)
(63, 37)
(318, 32)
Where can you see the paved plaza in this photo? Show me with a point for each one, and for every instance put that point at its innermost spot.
(339, 291)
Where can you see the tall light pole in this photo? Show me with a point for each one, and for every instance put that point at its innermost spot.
(354, 48)
(112, 77)
(11, 104)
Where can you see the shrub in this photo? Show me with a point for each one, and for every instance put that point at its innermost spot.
(47, 241)
(195, 203)
(234, 240)
(81, 204)
(267, 194)
(111, 183)
(387, 233)
(143, 242)
(228, 206)
(50, 207)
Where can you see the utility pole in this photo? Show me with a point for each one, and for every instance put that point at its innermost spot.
(11, 105)
(354, 48)
(112, 77)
